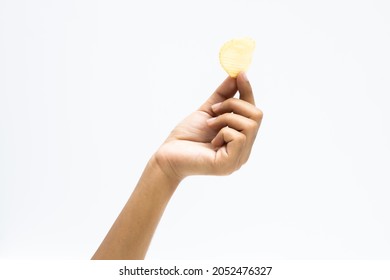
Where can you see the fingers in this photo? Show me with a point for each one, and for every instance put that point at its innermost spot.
(238, 114)
(238, 119)
(242, 125)
(239, 107)
(228, 156)
(245, 88)
(226, 90)
(237, 122)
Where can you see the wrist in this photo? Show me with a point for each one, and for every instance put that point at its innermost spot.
(161, 167)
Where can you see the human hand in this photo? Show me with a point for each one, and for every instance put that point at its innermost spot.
(217, 138)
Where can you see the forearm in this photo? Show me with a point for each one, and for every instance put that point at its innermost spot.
(130, 235)
(216, 139)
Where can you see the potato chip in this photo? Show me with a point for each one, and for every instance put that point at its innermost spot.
(236, 55)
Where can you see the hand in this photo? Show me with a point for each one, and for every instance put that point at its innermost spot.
(217, 138)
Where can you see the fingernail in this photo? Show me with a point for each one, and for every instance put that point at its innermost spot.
(211, 120)
(216, 106)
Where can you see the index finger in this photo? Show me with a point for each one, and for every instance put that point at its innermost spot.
(245, 88)
(226, 90)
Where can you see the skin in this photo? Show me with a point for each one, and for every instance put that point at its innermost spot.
(216, 139)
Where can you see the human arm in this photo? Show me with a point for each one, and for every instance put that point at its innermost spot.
(131, 233)
(216, 139)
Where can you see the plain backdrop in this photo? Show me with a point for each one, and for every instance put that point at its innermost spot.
(90, 89)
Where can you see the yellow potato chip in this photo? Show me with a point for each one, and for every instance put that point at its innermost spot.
(236, 55)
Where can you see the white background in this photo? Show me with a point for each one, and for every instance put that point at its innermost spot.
(90, 89)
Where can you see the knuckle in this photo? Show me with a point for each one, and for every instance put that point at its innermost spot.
(231, 168)
(225, 168)
(227, 172)
(245, 159)
(241, 138)
(258, 114)
(252, 125)
(225, 130)
(237, 166)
